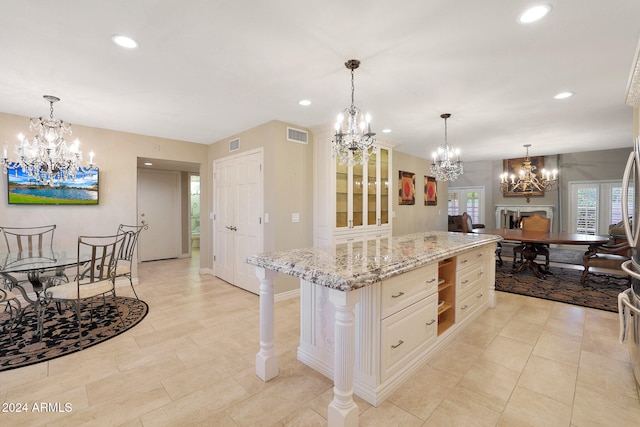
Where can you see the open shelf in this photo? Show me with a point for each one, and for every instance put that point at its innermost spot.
(446, 294)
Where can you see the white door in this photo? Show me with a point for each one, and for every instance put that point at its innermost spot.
(238, 196)
(224, 191)
(159, 208)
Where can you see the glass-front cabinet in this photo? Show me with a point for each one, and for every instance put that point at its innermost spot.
(362, 193)
(351, 202)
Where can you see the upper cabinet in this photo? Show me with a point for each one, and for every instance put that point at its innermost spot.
(351, 200)
(362, 192)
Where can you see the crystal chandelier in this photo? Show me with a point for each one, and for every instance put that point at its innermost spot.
(444, 167)
(526, 183)
(353, 142)
(46, 158)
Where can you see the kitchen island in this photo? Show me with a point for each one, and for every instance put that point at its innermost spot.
(373, 311)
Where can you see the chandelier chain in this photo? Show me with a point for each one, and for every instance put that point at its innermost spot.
(353, 142)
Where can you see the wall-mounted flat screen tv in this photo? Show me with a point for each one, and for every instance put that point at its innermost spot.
(23, 190)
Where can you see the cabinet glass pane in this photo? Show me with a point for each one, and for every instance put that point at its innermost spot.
(358, 182)
(342, 178)
(371, 190)
(384, 186)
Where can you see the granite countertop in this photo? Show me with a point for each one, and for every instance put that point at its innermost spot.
(352, 265)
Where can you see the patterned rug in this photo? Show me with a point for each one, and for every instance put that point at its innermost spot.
(60, 335)
(600, 291)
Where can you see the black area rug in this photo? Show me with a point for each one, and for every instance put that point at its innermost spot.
(563, 285)
(60, 336)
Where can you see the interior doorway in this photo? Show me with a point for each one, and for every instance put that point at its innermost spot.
(182, 201)
(194, 212)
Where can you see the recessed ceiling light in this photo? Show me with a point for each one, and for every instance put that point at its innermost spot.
(304, 102)
(148, 164)
(124, 41)
(534, 13)
(386, 130)
(563, 95)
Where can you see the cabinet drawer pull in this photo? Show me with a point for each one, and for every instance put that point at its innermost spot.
(432, 280)
(400, 342)
(481, 273)
(464, 282)
(431, 322)
(479, 296)
(398, 295)
(463, 261)
(479, 255)
(464, 307)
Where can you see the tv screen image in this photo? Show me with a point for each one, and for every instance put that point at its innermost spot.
(23, 190)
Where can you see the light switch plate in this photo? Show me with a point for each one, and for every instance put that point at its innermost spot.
(295, 217)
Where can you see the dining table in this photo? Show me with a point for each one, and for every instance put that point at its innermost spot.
(530, 239)
(43, 268)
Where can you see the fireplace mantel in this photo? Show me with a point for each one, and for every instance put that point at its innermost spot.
(503, 209)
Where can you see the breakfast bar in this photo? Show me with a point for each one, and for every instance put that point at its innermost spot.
(372, 311)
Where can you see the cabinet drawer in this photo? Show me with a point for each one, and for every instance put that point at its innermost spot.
(467, 259)
(401, 291)
(470, 302)
(469, 279)
(407, 332)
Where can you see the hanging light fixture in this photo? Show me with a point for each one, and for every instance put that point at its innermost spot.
(444, 166)
(353, 142)
(527, 183)
(46, 158)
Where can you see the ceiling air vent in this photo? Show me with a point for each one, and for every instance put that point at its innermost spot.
(234, 144)
(297, 135)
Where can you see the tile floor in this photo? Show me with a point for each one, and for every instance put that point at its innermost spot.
(528, 362)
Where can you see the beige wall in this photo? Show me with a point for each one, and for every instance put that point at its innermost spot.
(416, 218)
(116, 155)
(288, 168)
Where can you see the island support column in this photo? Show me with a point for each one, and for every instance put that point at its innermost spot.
(343, 411)
(267, 364)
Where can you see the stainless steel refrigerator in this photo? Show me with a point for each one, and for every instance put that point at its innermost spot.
(629, 300)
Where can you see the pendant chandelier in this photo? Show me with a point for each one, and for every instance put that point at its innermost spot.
(353, 142)
(527, 182)
(46, 158)
(444, 166)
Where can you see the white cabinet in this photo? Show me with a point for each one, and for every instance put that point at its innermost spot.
(350, 200)
(398, 321)
(470, 283)
(406, 333)
(362, 193)
(401, 291)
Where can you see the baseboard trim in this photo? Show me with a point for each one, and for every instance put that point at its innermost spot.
(283, 296)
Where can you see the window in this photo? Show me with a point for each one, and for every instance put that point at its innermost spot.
(595, 205)
(469, 200)
(453, 203)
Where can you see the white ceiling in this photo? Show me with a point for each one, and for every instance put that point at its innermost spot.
(206, 70)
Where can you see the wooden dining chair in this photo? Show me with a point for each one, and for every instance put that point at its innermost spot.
(124, 267)
(534, 222)
(94, 278)
(608, 257)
